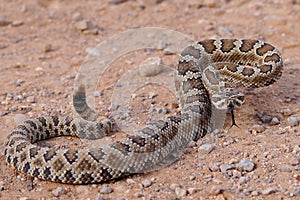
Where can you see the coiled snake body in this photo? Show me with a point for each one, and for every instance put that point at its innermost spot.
(250, 63)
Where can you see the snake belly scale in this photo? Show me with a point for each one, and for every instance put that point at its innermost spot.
(250, 63)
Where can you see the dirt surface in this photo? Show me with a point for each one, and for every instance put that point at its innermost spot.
(43, 44)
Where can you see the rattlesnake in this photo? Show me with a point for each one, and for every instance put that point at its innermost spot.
(250, 63)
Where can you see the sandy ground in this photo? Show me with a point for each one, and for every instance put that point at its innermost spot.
(43, 44)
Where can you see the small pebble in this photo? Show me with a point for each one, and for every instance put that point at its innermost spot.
(161, 45)
(29, 183)
(173, 186)
(31, 99)
(17, 23)
(265, 118)
(243, 180)
(48, 48)
(258, 128)
(99, 197)
(296, 149)
(192, 144)
(83, 25)
(215, 190)
(117, 1)
(147, 183)
(280, 131)
(20, 118)
(225, 167)
(19, 82)
(206, 148)
(77, 16)
(23, 198)
(4, 22)
(295, 161)
(38, 69)
(214, 167)
(192, 190)
(293, 121)
(106, 190)
(150, 67)
(296, 191)
(225, 31)
(97, 93)
(57, 192)
(287, 168)
(269, 191)
(181, 192)
(275, 121)
(130, 181)
(82, 189)
(91, 31)
(245, 165)
(254, 193)
(233, 161)
(287, 112)
(138, 195)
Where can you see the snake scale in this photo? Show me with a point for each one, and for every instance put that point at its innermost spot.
(250, 63)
